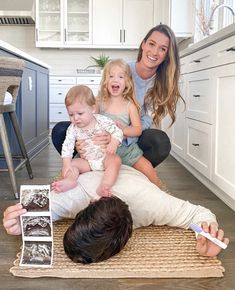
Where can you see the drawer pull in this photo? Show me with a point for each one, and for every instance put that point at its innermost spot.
(231, 49)
(59, 112)
(197, 60)
(196, 96)
(196, 144)
(59, 93)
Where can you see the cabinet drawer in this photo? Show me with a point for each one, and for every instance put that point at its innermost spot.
(199, 145)
(58, 93)
(58, 113)
(199, 100)
(89, 80)
(224, 51)
(200, 60)
(63, 80)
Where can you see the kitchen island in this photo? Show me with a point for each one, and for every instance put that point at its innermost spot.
(32, 106)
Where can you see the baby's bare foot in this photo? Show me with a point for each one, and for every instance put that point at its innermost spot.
(104, 190)
(63, 185)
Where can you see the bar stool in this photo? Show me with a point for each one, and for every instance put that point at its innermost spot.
(11, 70)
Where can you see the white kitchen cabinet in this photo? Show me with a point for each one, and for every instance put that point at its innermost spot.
(199, 146)
(63, 23)
(121, 23)
(199, 100)
(59, 86)
(176, 132)
(223, 174)
(178, 14)
(209, 149)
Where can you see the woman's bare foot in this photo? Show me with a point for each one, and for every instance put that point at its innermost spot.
(63, 185)
(104, 190)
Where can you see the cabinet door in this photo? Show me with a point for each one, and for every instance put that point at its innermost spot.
(107, 23)
(182, 17)
(223, 174)
(178, 130)
(49, 29)
(77, 22)
(137, 21)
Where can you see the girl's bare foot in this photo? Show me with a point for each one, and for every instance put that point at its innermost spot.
(63, 185)
(104, 190)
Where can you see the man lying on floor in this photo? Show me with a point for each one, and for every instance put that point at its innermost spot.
(102, 227)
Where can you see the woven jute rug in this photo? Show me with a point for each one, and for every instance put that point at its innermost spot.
(152, 252)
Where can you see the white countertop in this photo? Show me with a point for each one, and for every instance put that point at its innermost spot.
(22, 54)
(214, 38)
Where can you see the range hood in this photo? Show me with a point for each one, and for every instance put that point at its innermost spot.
(17, 12)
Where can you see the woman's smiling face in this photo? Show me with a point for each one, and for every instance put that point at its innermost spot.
(155, 49)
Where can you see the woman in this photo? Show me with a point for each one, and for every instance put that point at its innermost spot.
(156, 75)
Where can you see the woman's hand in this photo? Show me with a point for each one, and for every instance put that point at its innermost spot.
(80, 147)
(102, 139)
(11, 219)
(207, 248)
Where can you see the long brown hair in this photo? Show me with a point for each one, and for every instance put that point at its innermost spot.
(163, 96)
(128, 93)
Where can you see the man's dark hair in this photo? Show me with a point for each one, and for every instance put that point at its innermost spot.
(99, 231)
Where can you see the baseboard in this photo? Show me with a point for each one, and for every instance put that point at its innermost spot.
(227, 199)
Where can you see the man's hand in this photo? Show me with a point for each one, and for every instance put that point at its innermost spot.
(11, 219)
(207, 248)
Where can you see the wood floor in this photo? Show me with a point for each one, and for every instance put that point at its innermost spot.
(180, 182)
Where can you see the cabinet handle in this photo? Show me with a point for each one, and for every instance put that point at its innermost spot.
(231, 49)
(196, 144)
(36, 34)
(65, 35)
(120, 35)
(124, 35)
(196, 96)
(197, 61)
(59, 112)
(92, 81)
(60, 94)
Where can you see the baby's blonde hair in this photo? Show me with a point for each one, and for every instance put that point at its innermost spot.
(80, 93)
(129, 91)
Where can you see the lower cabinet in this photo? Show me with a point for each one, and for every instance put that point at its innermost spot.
(59, 86)
(223, 173)
(198, 146)
(202, 137)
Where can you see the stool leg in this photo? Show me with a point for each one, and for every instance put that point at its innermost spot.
(21, 142)
(7, 153)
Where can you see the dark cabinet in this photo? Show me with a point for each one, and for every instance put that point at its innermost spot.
(32, 109)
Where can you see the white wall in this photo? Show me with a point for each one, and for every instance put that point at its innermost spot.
(62, 61)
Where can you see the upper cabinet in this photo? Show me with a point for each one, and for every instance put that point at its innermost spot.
(108, 24)
(63, 23)
(178, 14)
(121, 23)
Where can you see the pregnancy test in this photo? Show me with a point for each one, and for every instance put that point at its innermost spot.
(200, 231)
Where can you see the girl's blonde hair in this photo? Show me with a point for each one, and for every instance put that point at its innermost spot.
(162, 98)
(129, 91)
(80, 93)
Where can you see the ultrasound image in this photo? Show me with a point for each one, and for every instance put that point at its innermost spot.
(36, 226)
(39, 253)
(35, 199)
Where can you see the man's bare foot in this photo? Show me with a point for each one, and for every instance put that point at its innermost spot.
(63, 185)
(104, 190)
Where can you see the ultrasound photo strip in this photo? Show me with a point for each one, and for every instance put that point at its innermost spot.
(36, 225)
